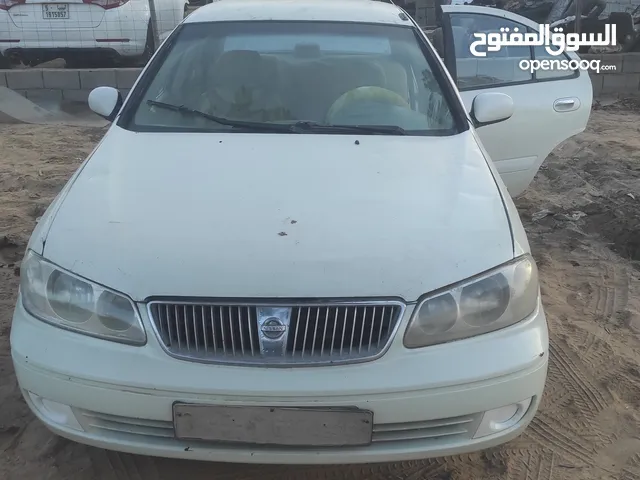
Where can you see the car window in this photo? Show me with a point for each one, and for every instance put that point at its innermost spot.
(331, 73)
(497, 68)
(551, 70)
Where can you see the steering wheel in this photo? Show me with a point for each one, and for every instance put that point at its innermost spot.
(361, 94)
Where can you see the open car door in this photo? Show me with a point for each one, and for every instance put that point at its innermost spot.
(550, 105)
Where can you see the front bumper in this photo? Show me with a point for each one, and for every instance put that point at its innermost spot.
(426, 403)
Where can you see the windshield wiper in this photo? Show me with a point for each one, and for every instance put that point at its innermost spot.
(260, 126)
(298, 127)
(307, 126)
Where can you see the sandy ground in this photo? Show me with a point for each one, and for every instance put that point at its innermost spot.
(583, 219)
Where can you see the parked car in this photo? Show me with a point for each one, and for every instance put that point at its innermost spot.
(293, 245)
(83, 32)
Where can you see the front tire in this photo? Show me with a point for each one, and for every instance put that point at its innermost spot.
(5, 63)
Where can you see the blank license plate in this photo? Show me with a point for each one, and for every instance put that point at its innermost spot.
(55, 11)
(273, 425)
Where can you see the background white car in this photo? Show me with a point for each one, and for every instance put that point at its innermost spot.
(83, 32)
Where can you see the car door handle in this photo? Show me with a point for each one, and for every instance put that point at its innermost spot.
(566, 104)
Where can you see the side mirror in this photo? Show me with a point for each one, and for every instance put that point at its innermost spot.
(106, 102)
(491, 107)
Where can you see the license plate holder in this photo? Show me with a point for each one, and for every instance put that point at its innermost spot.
(55, 11)
(283, 426)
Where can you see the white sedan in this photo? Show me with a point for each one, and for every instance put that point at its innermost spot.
(83, 31)
(293, 245)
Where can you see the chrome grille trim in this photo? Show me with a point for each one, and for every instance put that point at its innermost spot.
(96, 422)
(445, 428)
(318, 332)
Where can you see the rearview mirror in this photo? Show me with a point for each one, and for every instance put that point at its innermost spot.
(491, 107)
(106, 102)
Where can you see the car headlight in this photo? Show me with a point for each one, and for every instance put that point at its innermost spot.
(63, 299)
(491, 301)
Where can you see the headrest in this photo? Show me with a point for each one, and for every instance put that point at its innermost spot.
(237, 68)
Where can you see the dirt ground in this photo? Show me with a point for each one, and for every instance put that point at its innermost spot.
(582, 215)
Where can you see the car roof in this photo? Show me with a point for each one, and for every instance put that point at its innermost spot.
(358, 11)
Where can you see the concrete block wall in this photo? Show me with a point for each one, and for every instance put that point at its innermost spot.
(67, 84)
(75, 85)
(426, 12)
(624, 80)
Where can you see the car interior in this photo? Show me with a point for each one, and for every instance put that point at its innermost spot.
(301, 84)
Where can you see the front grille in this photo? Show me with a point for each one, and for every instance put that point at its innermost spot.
(308, 334)
(439, 431)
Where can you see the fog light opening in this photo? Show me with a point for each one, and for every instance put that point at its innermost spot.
(55, 412)
(502, 418)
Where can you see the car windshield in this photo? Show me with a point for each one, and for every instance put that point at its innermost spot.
(268, 76)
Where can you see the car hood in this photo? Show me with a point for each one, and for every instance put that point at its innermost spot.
(274, 215)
